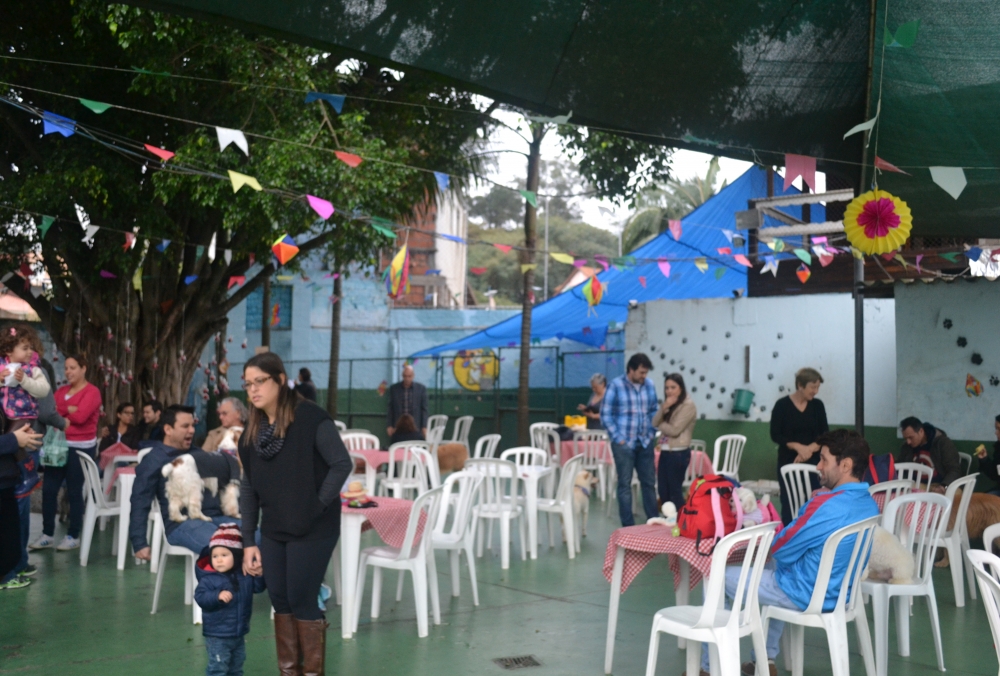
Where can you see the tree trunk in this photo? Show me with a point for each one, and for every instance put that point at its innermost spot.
(265, 317)
(530, 217)
(331, 388)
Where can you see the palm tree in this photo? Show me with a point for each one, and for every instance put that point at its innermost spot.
(657, 206)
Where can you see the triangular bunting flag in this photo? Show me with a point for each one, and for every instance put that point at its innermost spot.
(88, 238)
(227, 255)
(239, 180)
(675, 228)
(95, 106)
(800, 165)
(803, 273)
(950, 179)
(664, 266)
(729, 234)
(920, 257)
(129, 241)
(742, 260)
(198, 251)
(236, 280)
(503, 247)
(642, 281)
(350, 159)
(57, 124)
(443, 180)
(562, 258)
(478, 271)
(190, 279)
(108, 275)
(211, 249)
(162, 246)
(47, 222)
(725, 251)
(159, 152)
(719, 272)
(803, 255)
(770, 265)
(227, 136)
(701, 264)
(865, 126)
(906, 35)
(335, 100)
(454, 238)
(320, 206)
(530, 196)
(887, 166)
(951, 256)
(527, 266)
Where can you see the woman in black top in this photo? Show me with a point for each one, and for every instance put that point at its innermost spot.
(796, 422)
(294, 465)
(599, 384)
(987, 465)
(405, 430)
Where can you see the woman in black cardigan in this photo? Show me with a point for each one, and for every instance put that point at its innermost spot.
(294, 464)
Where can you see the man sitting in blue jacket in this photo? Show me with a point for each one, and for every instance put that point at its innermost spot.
(150, 484)
(790, 575)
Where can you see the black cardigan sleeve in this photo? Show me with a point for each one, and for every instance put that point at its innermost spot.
(778, 414)
(331, 447)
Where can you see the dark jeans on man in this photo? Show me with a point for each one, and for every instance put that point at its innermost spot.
(53, 478)
(225, 655)
(10, 532)
(639, 458)
(24, 512)
(670, 476)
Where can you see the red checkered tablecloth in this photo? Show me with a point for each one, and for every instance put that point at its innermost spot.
(567, 451)
(642, 543)
(389, 520)
(124, 469)
(112, 452)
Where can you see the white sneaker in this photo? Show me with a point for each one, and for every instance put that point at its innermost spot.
(68, 543)
(43, 542)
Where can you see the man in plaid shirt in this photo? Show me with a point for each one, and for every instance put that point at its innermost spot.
(627, 415)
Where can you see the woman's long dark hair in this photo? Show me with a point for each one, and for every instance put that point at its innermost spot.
(679, 379)
(271, 364)
(406, 424)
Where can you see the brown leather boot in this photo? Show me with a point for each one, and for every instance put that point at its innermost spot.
(312, 646)
(287, 641)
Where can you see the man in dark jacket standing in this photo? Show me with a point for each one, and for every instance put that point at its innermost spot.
(930, 446)
(410, 397)
(150, 485)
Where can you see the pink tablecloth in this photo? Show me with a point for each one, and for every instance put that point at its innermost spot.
(642, 543)
(122, 469)
(567, 451)
(375, 457)
(112, 452)
(389, 520)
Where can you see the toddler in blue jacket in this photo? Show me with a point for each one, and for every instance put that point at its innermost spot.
(225, 595)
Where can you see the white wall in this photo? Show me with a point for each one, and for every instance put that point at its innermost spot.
(706, 340)
(933, 367)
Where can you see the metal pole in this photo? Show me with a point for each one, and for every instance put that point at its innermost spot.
(859, 346)
(545, 293)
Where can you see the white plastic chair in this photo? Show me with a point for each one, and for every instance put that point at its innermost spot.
(554, 448)
(432, 473)
(966, 461)
(436, 421)
(699, 466)
(191, 559)
(498, 502)
(890, 490)
(341, 427)
(916, 472)
(847, 609)
(986, 568)
(456, 534)
(412, 556)
(524, 456)
(538, 438)
(360, 441)
(486, 446)
(460, 435)
(562, 504)
(928, 521)
(97, 506)
(406, 473)
(368, 477)
(355, 430)
(434, 438)
(711, 623)
(594, 446)
(956, 538)
(729, 462)
(990, 535)
(798, 482)
(698, 445)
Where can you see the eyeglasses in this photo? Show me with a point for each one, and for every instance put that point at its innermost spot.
(255, 383)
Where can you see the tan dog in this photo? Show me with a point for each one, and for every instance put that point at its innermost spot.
(984, 511)
(452, 456)
(582, 487)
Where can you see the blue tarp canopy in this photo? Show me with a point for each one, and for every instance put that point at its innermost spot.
(568, 314)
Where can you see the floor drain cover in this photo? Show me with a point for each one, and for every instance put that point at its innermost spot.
(517, 662)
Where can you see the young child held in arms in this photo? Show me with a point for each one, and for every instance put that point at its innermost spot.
(225, 595)
(22, 380)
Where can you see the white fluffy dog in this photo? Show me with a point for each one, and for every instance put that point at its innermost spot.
(582, 486)
(184, 489)
(889, 561)
(230, 439)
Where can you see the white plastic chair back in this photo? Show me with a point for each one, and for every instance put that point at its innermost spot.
(486, 446)
(986, 568)
(916, 472)
(92, 488)
(698, 445)
(727, 462)
(436, 421)
(368, 478)
(462, 500)
(927, 523)
(431, 471)
(572, 467)
(863, 532)
(523, 456)
(498, 490)
(355, 430)
(990, 535)
(360, 441)
(699, 466)
(798, 483)
(538, 436)
(592, 445)
(967, 484)
(404, 464)
(890, 490)
(409, 444)
(966, 460)
(341, 427)
(463, 426)
(427, 503)
(746, 610)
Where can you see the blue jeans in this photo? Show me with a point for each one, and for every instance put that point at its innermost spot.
(24, 512)
(195, 533)
(769, 594)
(52, 481)
(670, 476)
(225, 655)
(639, 458)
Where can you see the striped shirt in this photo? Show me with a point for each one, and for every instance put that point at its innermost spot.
(628, 410)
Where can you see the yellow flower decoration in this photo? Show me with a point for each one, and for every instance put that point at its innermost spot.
(877, 222)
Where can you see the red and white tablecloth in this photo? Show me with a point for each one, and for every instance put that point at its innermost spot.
(122, 469)
(642, 543)
(567, 450)
(389, 520)
(112, 452)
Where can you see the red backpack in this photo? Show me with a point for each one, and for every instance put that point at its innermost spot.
(711, 512)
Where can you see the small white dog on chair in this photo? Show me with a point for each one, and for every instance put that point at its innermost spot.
(184, 489)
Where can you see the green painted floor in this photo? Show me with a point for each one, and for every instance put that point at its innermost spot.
(95, 620)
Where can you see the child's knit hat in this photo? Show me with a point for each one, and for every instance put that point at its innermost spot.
(228, 535)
